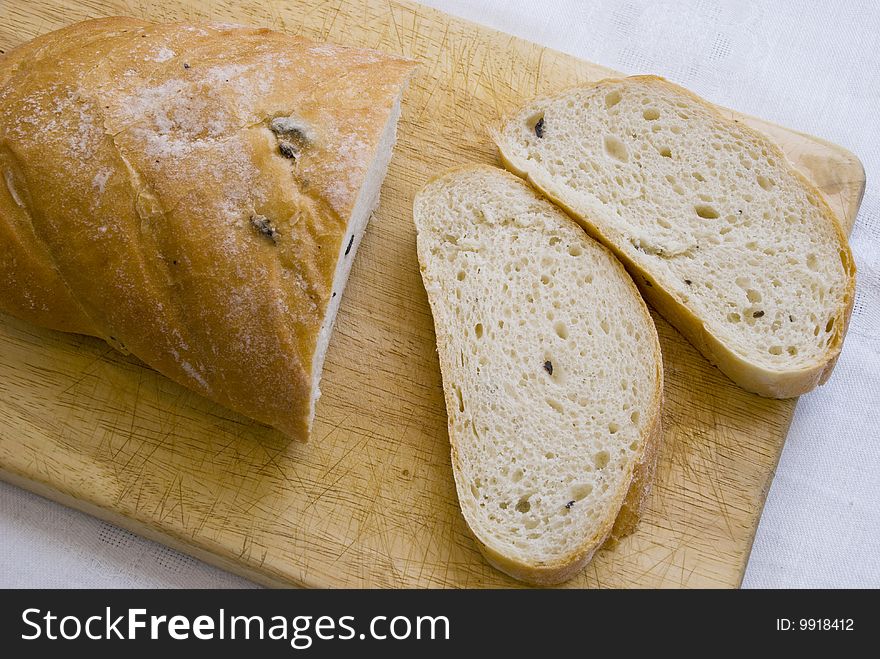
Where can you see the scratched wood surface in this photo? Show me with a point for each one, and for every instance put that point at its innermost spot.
(370, 501)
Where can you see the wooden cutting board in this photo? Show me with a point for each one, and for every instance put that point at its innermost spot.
(371, 501)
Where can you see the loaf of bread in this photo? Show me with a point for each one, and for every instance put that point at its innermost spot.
(194, 195)
(723, 236)
(551, 371)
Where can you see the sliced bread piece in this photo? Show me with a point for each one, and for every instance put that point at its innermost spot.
(551, 371)
(723, 236)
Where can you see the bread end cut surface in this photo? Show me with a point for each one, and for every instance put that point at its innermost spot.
(551, 372)
(722, 235)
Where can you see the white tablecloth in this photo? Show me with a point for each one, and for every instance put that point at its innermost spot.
(813, 66)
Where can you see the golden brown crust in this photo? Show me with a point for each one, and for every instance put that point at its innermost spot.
(748, 375)
(139, 160)
(628, 503)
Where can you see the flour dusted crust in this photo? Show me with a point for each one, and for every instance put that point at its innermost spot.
(148, 198)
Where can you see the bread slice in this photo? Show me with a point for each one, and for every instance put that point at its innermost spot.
(723, 236)
(551, 371)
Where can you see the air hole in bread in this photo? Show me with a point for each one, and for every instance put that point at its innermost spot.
(706, 211)
(612, 99)
(459, 398)
(561, 330)
(651, 114)
(616, 149)
(523, 505)
(613, 428)
(575, 250)
(634, 417)
(581, 491)
(605, 325)
(829, 325)
(753, 295)
(516, 476)
(765, 182)
(601, 459)
(478, 330)
(533, 120)
(555, 404)
(775, 350)
(461, 275)
(813, 262)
